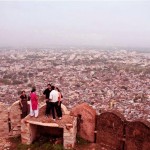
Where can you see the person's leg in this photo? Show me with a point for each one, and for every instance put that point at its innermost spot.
(31, 111)
(60, 110)
(36, 113)
(22, 115)
(26, 113)
(57, 109)
(47, 109)
(53, 110)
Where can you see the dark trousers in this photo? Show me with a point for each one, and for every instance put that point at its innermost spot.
(54, 108)
(59, 111)
(24, 114)
(48, 108)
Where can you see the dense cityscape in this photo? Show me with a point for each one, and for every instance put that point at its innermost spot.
(106, 79)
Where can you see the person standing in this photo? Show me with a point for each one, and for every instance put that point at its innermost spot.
(60, 96)
(54, 100)
(46, 93)
(23, 104)
(34, 103)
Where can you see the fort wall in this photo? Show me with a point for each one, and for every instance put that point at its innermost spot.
(109, 129)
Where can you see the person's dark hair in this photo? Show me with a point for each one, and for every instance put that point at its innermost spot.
(22, 92)
(52, 87)
(49, 84)
(57, 89)
(33, 89)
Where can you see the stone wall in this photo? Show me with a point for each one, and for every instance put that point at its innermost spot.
(86, 121)
(26, 136)
(115, 132)
(4, 128)
(111, 128)
(137, 136)
(10, 120)
(30, 128)
(69, 135)
(15, 119)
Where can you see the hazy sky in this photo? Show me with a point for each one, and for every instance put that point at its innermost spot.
(99, 23)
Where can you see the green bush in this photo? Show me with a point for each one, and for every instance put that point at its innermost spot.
(22, 147)
(47, 146)
(17, 145)
(81, 141)
(16, 140)
(58, 147)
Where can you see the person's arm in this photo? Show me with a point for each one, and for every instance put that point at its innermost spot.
(28, 98)
(50, 96)
(44, 93)
(59, 98)
(61, 95)
(20, 102)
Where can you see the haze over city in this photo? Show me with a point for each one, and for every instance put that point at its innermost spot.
(75, 75)
(74, 23)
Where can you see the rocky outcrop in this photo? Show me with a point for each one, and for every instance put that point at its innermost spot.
(86, 120)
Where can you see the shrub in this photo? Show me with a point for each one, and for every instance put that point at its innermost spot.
(81, 141)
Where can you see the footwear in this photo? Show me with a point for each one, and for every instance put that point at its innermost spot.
(59, 118)
(47, 116)
(54, 119)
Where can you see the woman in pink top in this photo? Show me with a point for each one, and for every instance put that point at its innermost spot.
(34, 103)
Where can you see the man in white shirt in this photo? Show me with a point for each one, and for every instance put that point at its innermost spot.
(54, 100)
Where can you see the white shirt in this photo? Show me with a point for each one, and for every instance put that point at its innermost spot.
(54, 96)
